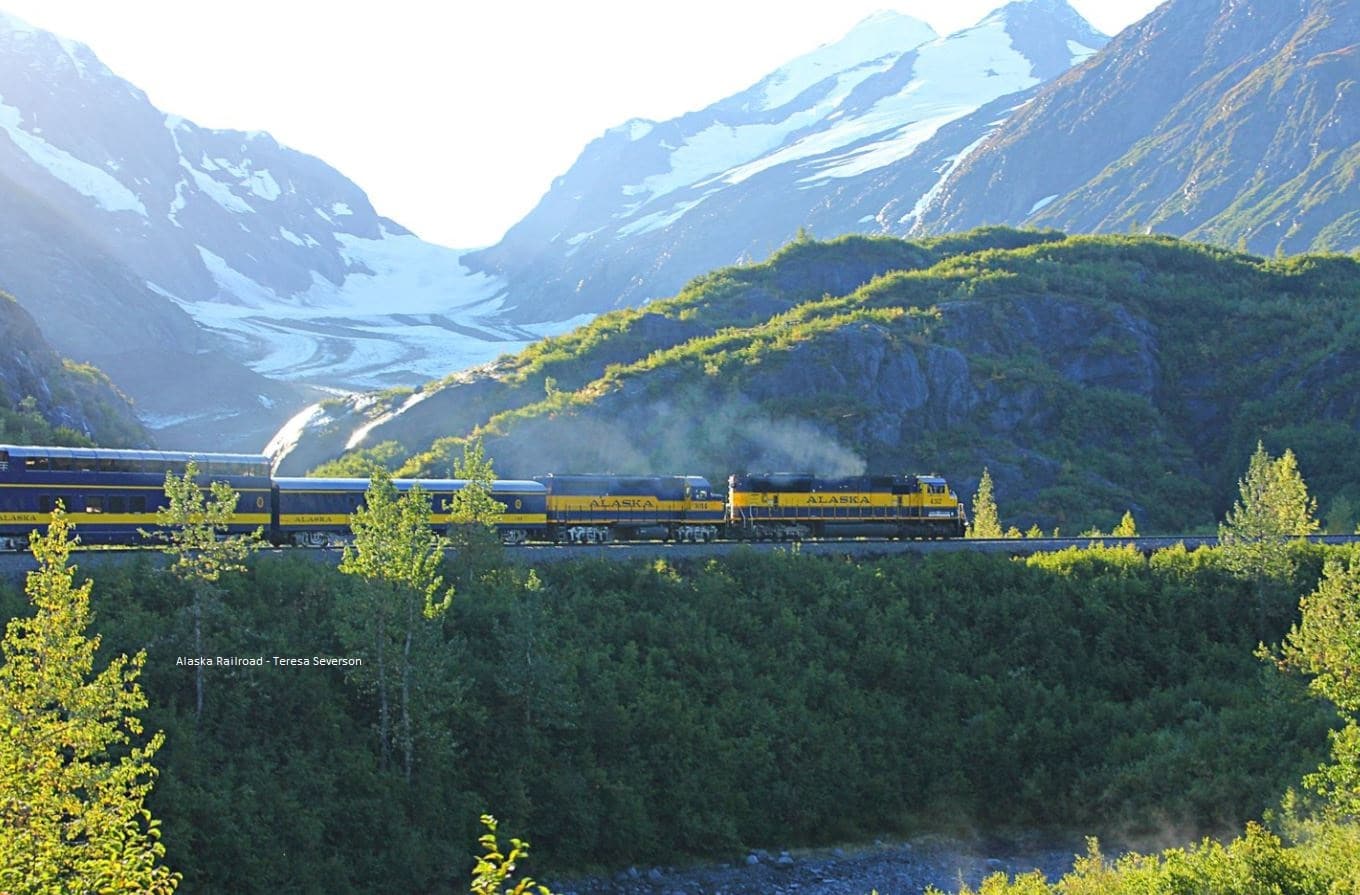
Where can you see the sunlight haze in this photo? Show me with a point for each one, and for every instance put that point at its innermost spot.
(455, 118)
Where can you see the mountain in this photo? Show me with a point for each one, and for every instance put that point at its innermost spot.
(263, 278)
(1092, 375)
(45, 399)
(1230, 121)
(213, 274)
(844, 139)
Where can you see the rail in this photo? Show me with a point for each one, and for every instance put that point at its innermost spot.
(13, 566)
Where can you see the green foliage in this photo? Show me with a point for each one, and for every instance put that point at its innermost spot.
(23, 424)
(984, 522)
(1255, 863)
(395, 545)
(397, 554)
(494, 867)
(70, 391)
(473, 504)
(629, 712)
(355, 464)
(474, 513)
(1341, 518)
(1326, 644)
(1326, 641)
(1274, 506)
(193, 526)
(72, 784)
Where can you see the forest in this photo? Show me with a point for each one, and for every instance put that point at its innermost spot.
(624, 712)
(324, 729)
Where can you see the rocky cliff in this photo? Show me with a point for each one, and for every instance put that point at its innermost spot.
(46, 399)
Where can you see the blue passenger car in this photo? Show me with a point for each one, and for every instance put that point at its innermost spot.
(111, 494)
(315, 512)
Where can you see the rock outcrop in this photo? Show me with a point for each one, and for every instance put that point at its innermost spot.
(34, 379)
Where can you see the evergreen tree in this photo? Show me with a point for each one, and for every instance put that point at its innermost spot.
(1294, 510)
(193, 526)
(71, 813)
(1340, 516)
(985, 522)
(1326, 643)
(1273, 506)
(397, 554)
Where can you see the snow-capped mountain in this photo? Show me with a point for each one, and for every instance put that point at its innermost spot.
(1231, 121)
(223, 280)
(210, 272)
(848, 138)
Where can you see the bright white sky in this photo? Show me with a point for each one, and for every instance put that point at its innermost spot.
(456, 116)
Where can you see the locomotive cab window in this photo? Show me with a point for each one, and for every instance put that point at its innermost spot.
(4, 461)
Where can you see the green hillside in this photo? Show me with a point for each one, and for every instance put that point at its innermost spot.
(47, 399)
(1090, 374)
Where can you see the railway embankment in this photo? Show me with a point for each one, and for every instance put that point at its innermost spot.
(13, 566)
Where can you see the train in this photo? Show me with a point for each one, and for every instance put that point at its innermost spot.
(112, 496)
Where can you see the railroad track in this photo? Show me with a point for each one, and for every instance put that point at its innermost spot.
(13, 566)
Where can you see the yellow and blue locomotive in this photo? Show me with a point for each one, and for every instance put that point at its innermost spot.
(598, 509)
(793, 507)
(112, 495)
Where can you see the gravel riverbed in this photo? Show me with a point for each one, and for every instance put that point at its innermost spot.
(902, 868)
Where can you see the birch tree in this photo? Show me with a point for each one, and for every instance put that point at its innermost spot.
(397, 555)
(1326, 644)
(72, 815)
(474, 514)
(193, 526)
